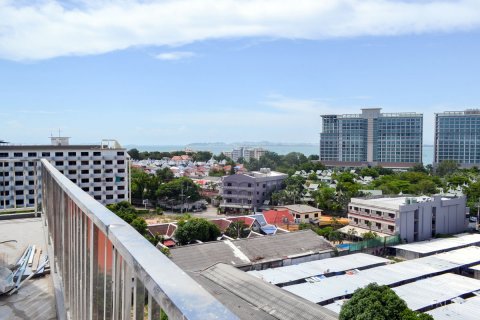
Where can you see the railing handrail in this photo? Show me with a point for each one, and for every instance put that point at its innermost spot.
(176, 292)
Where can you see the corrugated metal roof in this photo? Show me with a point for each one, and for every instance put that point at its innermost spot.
(256, 250)
(339, 286)
(468, 310)
(319, 267)
(274, 301)
(436, 245)
(428, 292)
(476, 268)
(436, 290)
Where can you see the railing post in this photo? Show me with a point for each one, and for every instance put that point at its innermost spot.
(107, 267)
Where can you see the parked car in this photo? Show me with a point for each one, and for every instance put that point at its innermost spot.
(473, 219)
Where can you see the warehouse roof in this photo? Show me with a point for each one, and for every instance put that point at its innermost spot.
(393, 274)
(476, 268)
(237, 289)
(436, 245)
(436, 290)
(249, 251)
(318, 267)
(429, 292)
(466, 310)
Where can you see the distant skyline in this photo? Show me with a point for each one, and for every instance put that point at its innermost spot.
(179, 72)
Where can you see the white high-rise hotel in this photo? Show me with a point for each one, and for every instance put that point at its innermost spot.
(100, 170)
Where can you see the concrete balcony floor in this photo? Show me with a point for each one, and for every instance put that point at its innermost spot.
(35, 299)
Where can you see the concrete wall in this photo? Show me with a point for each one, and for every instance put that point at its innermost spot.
(450, 218)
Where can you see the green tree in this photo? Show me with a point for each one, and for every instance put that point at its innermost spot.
(165, 175)
(446, 167)
(313, 157)
(326, 199)
(370, 172)
(140, 181)
(369, 235)
(325, 232)
(134, 154)
(237, 229)
(140, 225)
(179, 190)
(221, 157)
(196, 229)
(379, 303)
(418, 168)
(202, 156)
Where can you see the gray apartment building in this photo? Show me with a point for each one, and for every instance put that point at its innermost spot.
(392, 140)
(101, 170)
(250, 191)
(413, 218)
(457, 137)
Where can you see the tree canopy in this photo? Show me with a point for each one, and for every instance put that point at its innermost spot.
(196, 229)
(376, 302)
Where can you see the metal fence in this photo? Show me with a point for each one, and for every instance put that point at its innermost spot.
(107, 269)
(375, 243)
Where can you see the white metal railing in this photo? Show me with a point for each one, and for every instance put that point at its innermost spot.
(107, 269)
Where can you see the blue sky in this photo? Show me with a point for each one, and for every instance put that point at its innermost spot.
(163, 72)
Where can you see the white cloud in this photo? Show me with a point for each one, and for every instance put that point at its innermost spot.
(45, 29)
(175, 55)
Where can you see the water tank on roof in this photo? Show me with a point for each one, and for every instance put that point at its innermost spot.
(265, 170)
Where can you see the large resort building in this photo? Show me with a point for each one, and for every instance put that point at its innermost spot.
(457, 137)
(100, 170)
(392, 140)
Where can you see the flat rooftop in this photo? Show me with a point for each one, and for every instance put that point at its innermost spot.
(436, 245)
(428, 293)
(316, 268)
(258, 174)
(393, 274)
(466, 310)
(392, 203)
(301, 208)
(35, 299)
(436, 290)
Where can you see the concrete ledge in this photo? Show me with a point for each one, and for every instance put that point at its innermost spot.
(10, 216)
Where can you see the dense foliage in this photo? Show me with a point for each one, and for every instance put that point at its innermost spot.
(379, 303)
(196, 229)
(155, 155)
(163, 187)
(237, 229)
(131, 216)
(288, 163)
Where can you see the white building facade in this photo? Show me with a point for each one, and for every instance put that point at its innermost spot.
(100, 170)
(413, 218)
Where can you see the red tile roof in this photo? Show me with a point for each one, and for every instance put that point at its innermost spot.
(279, 217)
(223, 224)
(164, 229)
(169, 243)
(247, 220)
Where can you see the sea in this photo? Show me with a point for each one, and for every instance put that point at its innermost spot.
(305, 148)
